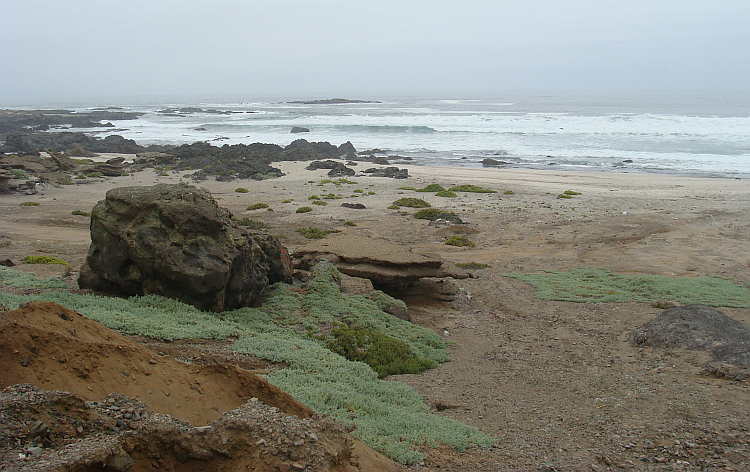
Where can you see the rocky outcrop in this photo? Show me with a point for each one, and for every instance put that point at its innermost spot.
(489, 162)
(337, 169)
(389, 266)
(390, 172)
(299, 129)
(175, 241)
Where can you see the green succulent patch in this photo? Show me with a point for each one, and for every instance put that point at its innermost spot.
(411, 202)
(256, 206)
(446, 194)
(17, 278)
(432, 188)
(471, 189)
(431, 213)
(459, 241)
(313, 233)
(294, 326)
(44, 260)
(602, 286)
(386, 355)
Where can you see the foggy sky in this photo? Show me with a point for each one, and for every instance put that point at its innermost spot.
(93, 51)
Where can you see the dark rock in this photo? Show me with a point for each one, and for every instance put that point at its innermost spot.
(354, 206)
(391, 172)
(381, 161)
(299, 129)
(62, 162)
(76, 150)
(112, 168)
(697, 327)
(7, 263)
(489, 162)
(337, 169)
(347, 150)
(175, 241)
(302, 150)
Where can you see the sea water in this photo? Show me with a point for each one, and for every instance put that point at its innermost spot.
(673, 132)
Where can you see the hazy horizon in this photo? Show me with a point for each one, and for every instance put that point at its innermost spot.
(86, 52)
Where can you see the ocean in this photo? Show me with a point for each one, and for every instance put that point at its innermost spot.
(670, 132)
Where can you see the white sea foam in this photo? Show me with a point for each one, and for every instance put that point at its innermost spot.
(706, 133)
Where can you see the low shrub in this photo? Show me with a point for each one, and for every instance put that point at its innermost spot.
(30, 204)
(446, 193)
(241, 190)
(432, 188)
(94, 175)
(319, 202)
(80, 177)
(313, 197)
(332, 196)
(431, 213)
(312, 233)
(350, 223)
(252, 224)
(459, 241)
(407, 188)
(471, 189)
(394, 207)
(43, 260)
(19, 174)
(80, 213)
(571, 192)
(384, 354)
(303, 210)
(564, 195)
(412, 203)
(257, 206)
(509, 192)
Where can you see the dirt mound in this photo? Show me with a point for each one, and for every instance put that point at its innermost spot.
(700, 328)
(112, 378)
(53, 347)
(61, 432)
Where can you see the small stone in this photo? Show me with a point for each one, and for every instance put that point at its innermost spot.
(34, 451)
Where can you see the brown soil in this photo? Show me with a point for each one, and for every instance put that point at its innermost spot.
(558, 384)
(54, 348)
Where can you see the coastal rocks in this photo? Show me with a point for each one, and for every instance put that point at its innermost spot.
(354, 206)
(299, 129)
(390, 267)
(700, 328)
(489, 162)
(303, 150)
(337, 169)
(175, 241)
(347, 151)
(390, 172)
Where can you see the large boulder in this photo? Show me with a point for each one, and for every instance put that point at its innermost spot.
(174, 240)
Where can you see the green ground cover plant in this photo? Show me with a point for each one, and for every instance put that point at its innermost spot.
(313, 233)
(241, 190)
(408, 188)
(432, 188)
(293, 326)
(446, 194)
(509, 192)
(94, 174)
(304, 209)
(319, 202)
(471, 189)
(411, 202)
(80, 213)
(602, 286)
(252, 224)
(17, 278)
(459, 241)
(29, 204)
(386, 355)
(257, 206)
(431, 213)
(564, 195)
(350, 223)
(44, 260)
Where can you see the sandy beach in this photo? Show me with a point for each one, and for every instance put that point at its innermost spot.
(555, 382)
